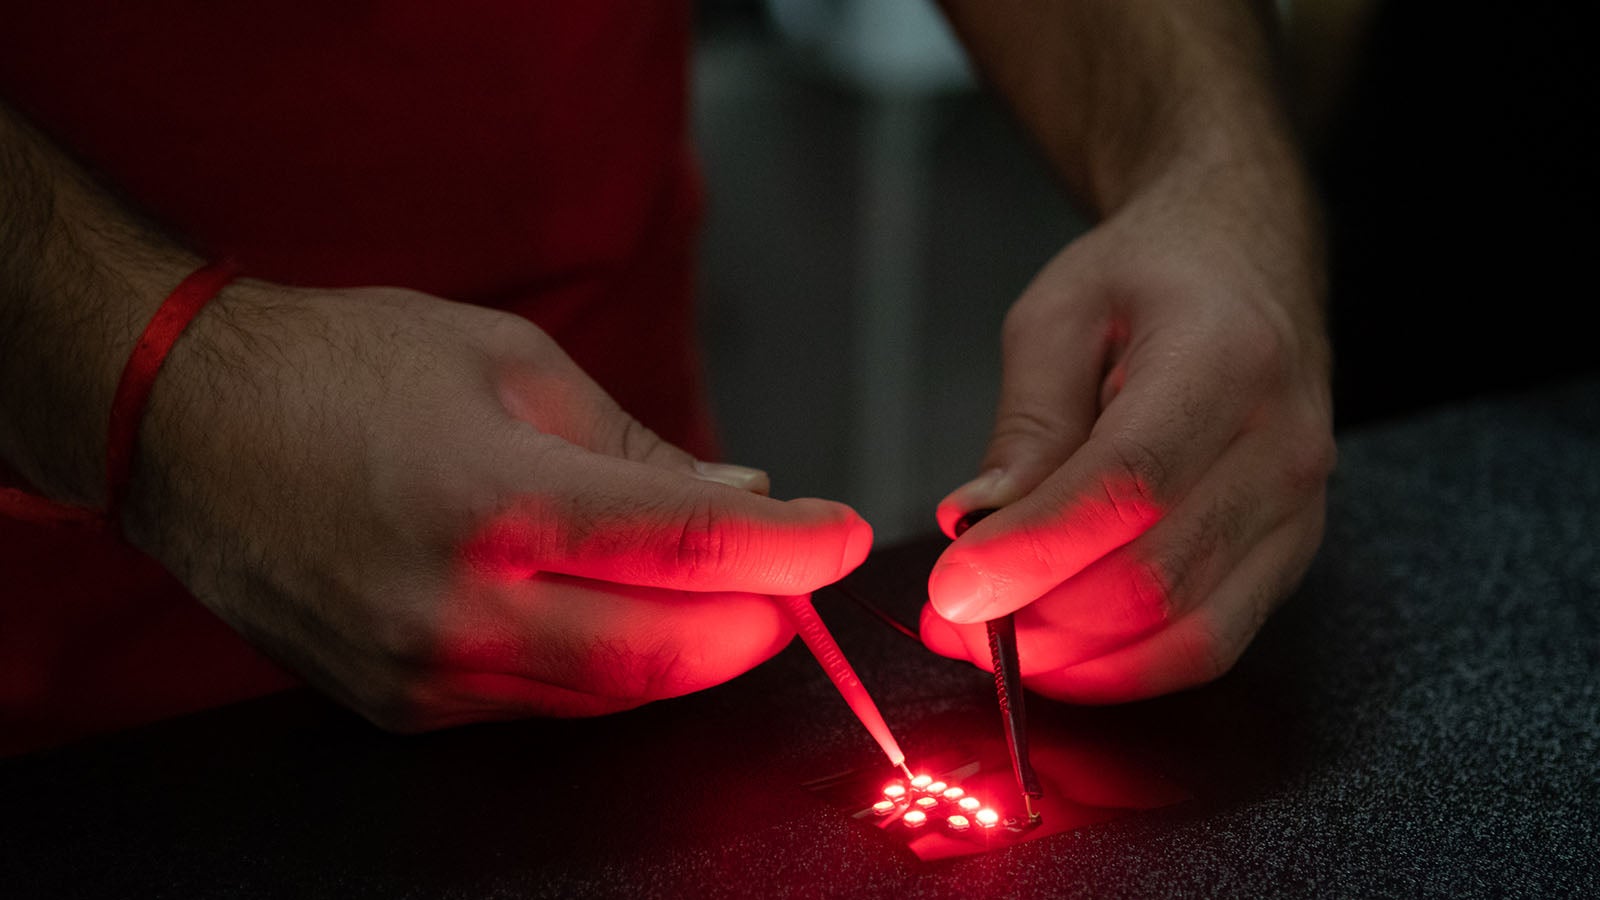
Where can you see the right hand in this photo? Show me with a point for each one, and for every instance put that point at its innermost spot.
(428, 511)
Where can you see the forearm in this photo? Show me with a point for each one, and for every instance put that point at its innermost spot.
(79, 278)
(1159, 102)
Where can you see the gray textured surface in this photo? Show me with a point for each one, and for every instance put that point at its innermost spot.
(1423, 718)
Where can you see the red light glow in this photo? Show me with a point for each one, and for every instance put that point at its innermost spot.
(927, 802)
(958, 823)
(894, 791)
(953, 793)
(988, 818)
(883, 807)
(921, 782)
(969, 804)
(915, 818)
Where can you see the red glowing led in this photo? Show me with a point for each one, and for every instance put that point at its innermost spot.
(915, 818)
(958, 823)
(883, 807)
(953, 793)
(927, 802)
(988, 818)
(894, 791)
(921, 782)
(969, 804)
(937, 787)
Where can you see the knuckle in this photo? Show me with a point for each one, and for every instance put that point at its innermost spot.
(1041, 543)
(400, 705)
(1021, 322)
(1019, 426)
(1137, 486)
(1309, 459)
(633, 673)
(516, 336)
(707, 539)
(628, 438)
(407, 639)
(667, 671)
(1209, 655)
(1154, 583)
(1263, 350)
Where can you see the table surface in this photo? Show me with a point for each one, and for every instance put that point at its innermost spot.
(1420, 719)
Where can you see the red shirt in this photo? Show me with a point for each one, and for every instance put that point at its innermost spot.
(528, 156)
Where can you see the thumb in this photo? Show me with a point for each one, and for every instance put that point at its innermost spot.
(591, 515)
(613, 432)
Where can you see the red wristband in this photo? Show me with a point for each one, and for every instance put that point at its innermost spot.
(127, 407)
(139, 375)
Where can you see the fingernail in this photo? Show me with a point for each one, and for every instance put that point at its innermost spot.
(741, 477)
(959, 592)
(989, 490)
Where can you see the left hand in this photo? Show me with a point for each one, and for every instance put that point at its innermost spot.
(1161, 454)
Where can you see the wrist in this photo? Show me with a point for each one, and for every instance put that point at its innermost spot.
(1253, 200)
(181, 453)
(79, 278)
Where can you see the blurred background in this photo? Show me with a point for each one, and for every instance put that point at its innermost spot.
(872, 212)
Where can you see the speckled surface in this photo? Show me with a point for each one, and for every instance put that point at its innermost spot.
(1423, 718)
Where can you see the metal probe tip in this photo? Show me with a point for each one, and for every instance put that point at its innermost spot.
(906, 769)
(1033, 816)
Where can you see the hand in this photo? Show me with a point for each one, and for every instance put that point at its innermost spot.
(1161, 453)
(428, 511)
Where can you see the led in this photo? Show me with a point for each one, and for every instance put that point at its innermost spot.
(921, 781)
(916, 818)
(954, 793)
(895, 791)
(883, 807)
(970, 804)
(937, 787)
(927, 802)
(988, 818)
(958, 823)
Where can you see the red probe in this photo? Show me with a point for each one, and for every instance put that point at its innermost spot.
(826, 650)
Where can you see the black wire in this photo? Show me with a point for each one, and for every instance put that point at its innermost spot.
(877, 613)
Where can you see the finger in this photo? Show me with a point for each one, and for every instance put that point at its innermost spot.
(944, 637)
(1165, 572)
(548, 391)
(594, 516)
(1053, 356)
(743, 478)
(460, 698)
(1204, 643)
(1148, 581)
(584, 647)
(1161, 433)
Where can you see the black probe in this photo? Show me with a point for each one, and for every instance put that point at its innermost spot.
(1008, 687)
